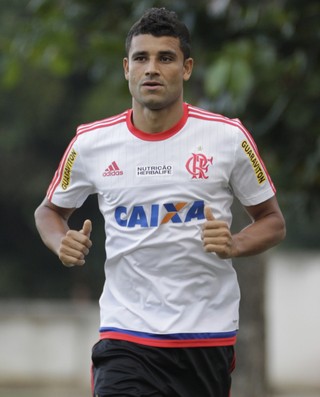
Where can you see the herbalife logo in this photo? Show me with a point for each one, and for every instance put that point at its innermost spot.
(112, 170)
(154, 170)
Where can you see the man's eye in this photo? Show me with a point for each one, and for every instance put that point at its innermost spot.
(140, 59)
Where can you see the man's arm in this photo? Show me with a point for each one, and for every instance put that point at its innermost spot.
(266, 230)
(71, 246)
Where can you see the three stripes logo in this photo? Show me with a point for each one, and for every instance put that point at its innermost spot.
(112, 170)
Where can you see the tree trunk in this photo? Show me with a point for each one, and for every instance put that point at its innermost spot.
(249, 378)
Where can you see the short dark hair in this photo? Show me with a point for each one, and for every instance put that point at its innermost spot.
(161, 22)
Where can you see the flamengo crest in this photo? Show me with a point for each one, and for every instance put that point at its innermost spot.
(198, 165)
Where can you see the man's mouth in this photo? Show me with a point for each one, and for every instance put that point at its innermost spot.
(151, 84)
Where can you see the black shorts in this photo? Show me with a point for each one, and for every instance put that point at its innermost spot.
(126, 369)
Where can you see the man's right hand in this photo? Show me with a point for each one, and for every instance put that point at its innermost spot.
(75, 245)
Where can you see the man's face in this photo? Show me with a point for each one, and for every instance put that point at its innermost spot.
(156, 69)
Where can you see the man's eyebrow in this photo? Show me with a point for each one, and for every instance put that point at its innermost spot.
(139, 53)
(161, 53)
(168, 52)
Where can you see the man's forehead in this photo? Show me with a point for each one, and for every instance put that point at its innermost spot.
(150, 43)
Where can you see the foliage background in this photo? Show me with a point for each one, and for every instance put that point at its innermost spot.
(61, 65)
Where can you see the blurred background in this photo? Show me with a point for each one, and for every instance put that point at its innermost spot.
(61, 66)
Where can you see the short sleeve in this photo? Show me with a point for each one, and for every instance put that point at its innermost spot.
(249, 180)
(70, 185)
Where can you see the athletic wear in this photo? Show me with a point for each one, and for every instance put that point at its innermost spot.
(127, 369)
(162, 289)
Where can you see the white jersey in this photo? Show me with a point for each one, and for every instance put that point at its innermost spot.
(162, 288)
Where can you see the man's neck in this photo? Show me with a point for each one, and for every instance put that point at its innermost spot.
(155, 121)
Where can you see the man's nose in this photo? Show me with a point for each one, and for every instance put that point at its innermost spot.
(152, 67)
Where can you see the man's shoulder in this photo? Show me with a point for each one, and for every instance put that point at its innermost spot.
(103, 123)
(203, 114)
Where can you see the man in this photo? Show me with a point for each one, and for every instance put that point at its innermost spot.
(165, 173)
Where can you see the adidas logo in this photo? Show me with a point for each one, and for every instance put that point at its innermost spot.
(112, 170)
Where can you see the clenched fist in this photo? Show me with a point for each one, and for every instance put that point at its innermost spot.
(75, 245)
(216, 236)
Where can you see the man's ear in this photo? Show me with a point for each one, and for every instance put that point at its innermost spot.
(188, 66)
(126, 68)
